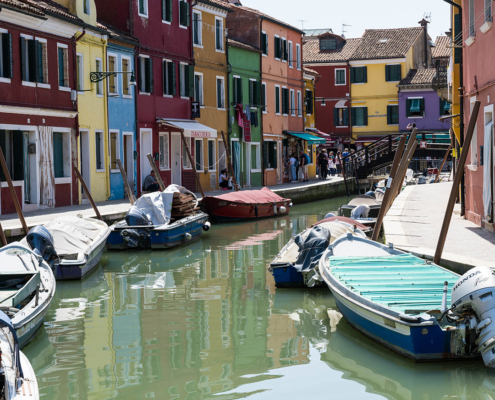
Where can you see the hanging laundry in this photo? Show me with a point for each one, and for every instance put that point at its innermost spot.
(239, 114)
(248, 112)
(254, 119)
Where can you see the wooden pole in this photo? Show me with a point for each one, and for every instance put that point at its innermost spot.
(343, 174)
(457, 181)
(231, 167)
(13, 193)
(193, 163)
(157, 173)
(443, 162)
(88, 193)
(410, 143)
(401, 175)
(386, 196)
(127, 188)
(356, 174)
(3, 239)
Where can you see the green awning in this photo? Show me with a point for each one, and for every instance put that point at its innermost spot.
(415, 105)
(306, 136)
(446, 106)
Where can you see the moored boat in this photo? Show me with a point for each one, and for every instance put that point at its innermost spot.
(19, 379)
(361, 206)
(245, 205)
(78, 243)
(151, 224)
(294, 266)
(400, 301)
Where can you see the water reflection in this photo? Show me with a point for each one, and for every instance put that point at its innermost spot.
(207, 320)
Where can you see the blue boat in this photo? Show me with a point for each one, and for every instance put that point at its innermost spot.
(400, 301)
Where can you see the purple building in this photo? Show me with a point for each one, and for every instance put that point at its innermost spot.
(420, 104)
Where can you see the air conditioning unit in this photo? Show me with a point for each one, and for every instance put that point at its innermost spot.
(73, 95)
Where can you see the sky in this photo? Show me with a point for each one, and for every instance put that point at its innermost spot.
(360, 14)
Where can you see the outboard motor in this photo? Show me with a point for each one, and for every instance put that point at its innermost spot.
(41, 242)
(473, 309)
(136, 237)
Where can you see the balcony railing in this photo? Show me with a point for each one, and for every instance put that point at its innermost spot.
(440, 79)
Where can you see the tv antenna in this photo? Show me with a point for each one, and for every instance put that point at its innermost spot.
(427, 16)
(343, 28)
(302, 21)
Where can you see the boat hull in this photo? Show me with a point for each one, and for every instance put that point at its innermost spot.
(221, 210)
(29, 329)
(286, 276)
(74, 271)
(164, 238)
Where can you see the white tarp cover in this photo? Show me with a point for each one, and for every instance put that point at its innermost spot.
(487, 157)
(158, 205)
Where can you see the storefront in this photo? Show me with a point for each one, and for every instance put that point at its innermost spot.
(294, 143)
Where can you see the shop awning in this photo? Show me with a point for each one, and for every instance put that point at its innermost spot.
(190, 128)
(306, 136)
(317, 132)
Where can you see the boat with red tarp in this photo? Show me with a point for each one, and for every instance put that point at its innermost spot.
(246, 204)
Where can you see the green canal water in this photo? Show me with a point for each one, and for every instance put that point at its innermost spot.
(206, 321)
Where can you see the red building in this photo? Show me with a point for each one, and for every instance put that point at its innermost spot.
(165, 81)
(38, 119)
(328, 54)
(478, 37)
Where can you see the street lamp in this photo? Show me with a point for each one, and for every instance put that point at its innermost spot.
(99, 76)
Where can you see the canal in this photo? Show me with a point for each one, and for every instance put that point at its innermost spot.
(206, 320)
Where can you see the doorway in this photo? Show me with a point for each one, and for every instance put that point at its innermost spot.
(85, 164)
(129, 158)
(248, 164)
(222, 156)
(176, 158)
(146, 148)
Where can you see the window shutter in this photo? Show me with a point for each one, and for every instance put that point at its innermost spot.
(353, 116)
(398, 70)
(39, 59)
(263, 97)
(263, 43)
(58, 151)
(257, 91)
(277, 100)
(276, 47)
(165, 77)
(387, 73)
(273, 154)
(173, 79)
(169, 14)
(18, 155)
(346, 117)
(311, 103)
(408, 107)
(422, 106)
(150, 81)
(251, 93)
(164, 10)
(188, 14)
(335, 117)
(285, 51)
(389, 115)
(365, 116)
(3, 146)
(31, 44)
(284, 101)
(9, 61)
(365, 74)
(266, 44)
(219, 93)
(23, 58)
(353, 72)
(265, 155)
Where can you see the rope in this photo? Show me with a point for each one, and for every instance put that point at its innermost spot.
(214, 165)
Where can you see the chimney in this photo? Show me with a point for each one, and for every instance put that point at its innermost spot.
(424, 24)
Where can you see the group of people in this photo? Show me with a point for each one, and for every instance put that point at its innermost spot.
(329, 164)
(295, 163)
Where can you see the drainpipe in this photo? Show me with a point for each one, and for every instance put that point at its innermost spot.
(136, 92)
(461, 105)
(76, 103)
(227, 96)
(107, 176)
(263, 183)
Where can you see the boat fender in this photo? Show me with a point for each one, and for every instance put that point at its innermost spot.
(409, 318)
(188, 236)
(290, 204)
(206, 226)
(275, 208)
(282, 209)
(256, 211)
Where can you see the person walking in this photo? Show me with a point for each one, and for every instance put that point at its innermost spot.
(304, 165)
(323, 165)
(331, 164)
(337, 163)
(293, 169)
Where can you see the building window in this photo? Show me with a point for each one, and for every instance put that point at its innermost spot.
(145, 74)
(472, 18)
(11, 143)
(270, 157)
(86, 7)
(61, 162)
(299, 104)
(220, 93)
(186, 162)
(164, 151)
(309, 102)
(99, 151)
(285, 101)
(298, 56)
(277, 100)
(167, 10)
(393, 115)
(444, 107)
(34, 65)
(198, 88)
(393, 73)
(212, 155)
(264, 43)
(255, 157)
(219, 37)
(340, 76)
(197, 29)
(292, 103)
(126, 76)
(263, 97)
(6, 60)
(184, 15)
(415, 107)
(169, 87)
(359, 74)
(488, 10)
(283, 50)
(359, 116)
(341, 117)
(143, 8)
(186, 80)
(328, 44)
(114, 150)
(198, 154)
(80, 72)
(63, 67)
(291, 55)
(99, 85)
(254, 93)
(277, 46)
(237, 84)
(113, 87)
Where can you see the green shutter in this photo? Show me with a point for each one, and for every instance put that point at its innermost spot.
(422, 106)
(23, 58)
(353, 116)
(257, 91)
(277, 100)
(266, 44)
(187, 84)
(398, 73)
(346, 117)
(389, 115)
(365, 74)
(265, 154)
(61, 80)
(148, 63)
(408, 107)
(219, 94)
(173, 79)
(251, 93)
(8, 61)
(387, 73)
(31, 44)
(457, 32)
(190, 70)
(353, 72)
(365, 117)
(18, 155)
(3, 146)
(263, 97)
(165, 77)
(141, 6)
(335, 117)
(169, 15)
(39, 62)
(164, 10)
(188, 14)
(441, 106)
(58, 154)
(284, 105)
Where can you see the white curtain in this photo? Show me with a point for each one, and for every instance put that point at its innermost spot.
(47, 175)
(487, 176)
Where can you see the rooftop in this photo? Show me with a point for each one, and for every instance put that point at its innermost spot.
(316, 32)
(313, 54)
(441, 50)
(241, 45)
(419, 77)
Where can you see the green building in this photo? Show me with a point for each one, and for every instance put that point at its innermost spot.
(245, 89)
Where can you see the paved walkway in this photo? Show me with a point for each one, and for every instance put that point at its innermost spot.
(414, 221)
(112, 210)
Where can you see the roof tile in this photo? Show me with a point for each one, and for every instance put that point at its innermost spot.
(441, 50)
(312, 53)
(23, 6)
(241, 45)
(419, 77)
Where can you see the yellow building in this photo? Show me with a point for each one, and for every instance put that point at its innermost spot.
(210, 86)
(92, 143)
(383, 58)
(310, 77)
